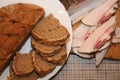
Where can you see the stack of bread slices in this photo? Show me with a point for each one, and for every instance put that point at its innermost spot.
(48, 40)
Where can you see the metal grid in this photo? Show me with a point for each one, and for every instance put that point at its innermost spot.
(78, 68)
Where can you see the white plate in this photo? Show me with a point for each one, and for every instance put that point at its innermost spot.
(50, 6)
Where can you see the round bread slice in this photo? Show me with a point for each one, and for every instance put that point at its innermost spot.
(41, 66)
(22, 64)
(32, 76)
(50, 31)
(43, 49)
(59, 58)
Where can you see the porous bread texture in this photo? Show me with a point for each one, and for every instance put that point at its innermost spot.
(50, 31)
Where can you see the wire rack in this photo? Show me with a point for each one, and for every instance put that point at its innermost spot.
(78, 68)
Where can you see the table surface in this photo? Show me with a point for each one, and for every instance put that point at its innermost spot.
(78, 68)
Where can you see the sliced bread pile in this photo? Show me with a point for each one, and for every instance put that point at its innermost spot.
(22, 68)
(48, 40)
(29, 66)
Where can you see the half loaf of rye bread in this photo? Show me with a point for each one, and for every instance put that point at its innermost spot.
(50, 32)
(16, 22)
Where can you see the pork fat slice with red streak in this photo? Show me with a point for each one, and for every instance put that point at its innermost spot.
(100, 14)
(81, 34)
(80, 10)
(99, 56)
(75, 50)
(99, 37)
(116, 37)
(107, 44)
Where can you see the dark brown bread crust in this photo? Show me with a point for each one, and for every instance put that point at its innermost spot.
(50, 32)
(16, 22)
(43, 49)
(42, 67)
(22, 64)
(22, 13)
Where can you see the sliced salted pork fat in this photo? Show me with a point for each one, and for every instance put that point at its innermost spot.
(102, 51)
(78, 11)
(99, 56)
(81, 34)
(106, 45)
(99, 37)
(101, 14)
(116, 40)
(75, 50)
(116, 37)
